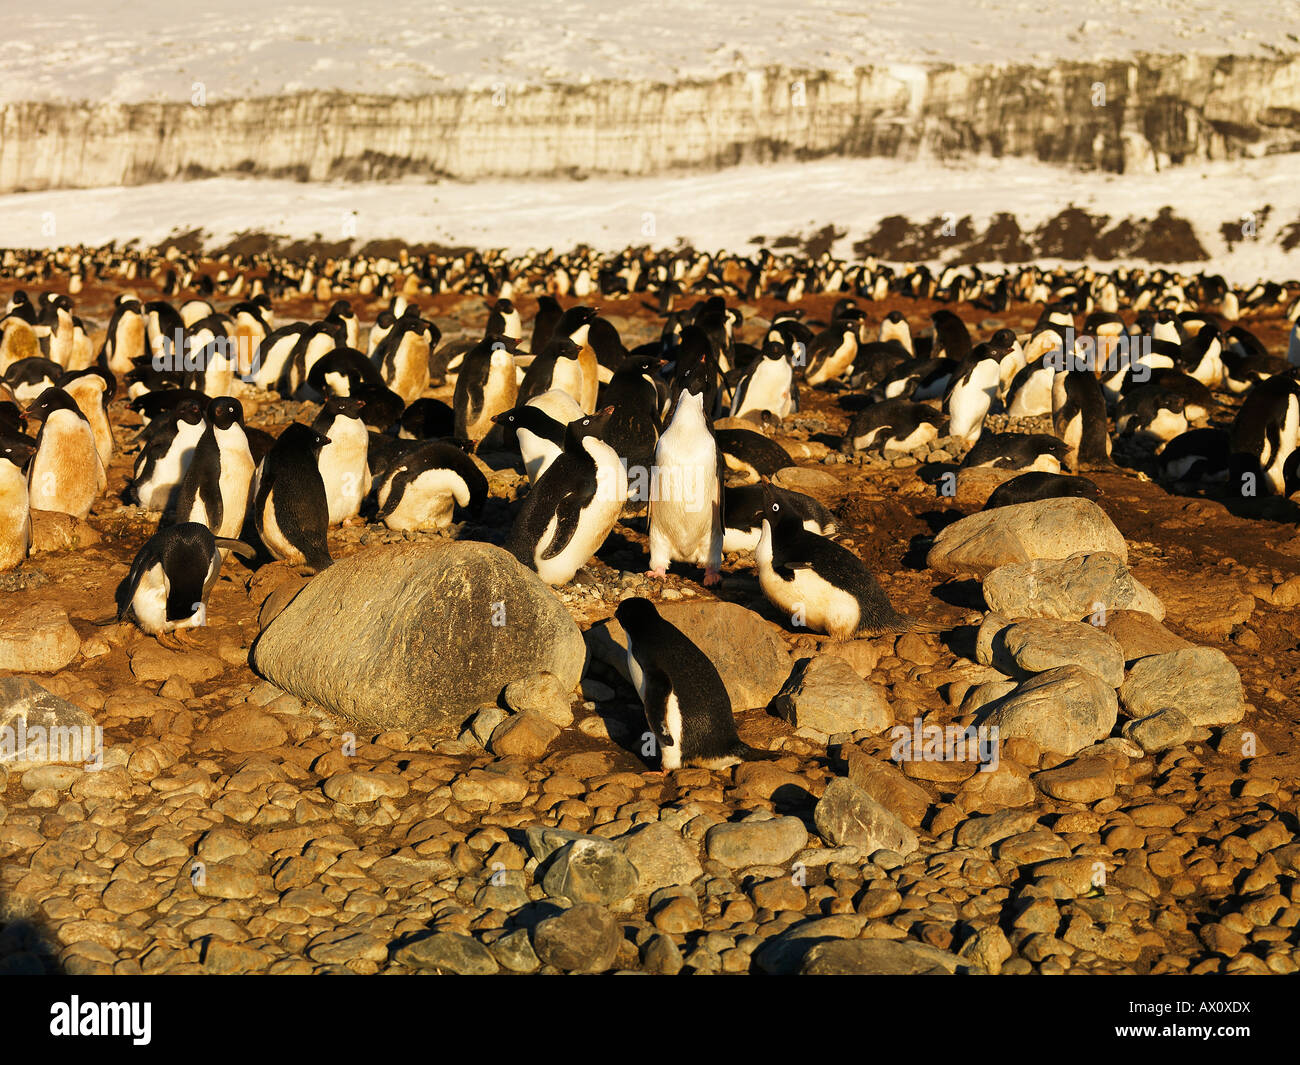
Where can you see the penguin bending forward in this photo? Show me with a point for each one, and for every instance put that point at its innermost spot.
(686, 704)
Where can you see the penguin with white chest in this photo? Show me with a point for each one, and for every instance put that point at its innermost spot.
(289, 504)
(686, 491)
(166, 591)
(819, 584)
(65, 474)
(574, 505)
(768, 385)
(215, 489)
(160, 467)
(16, 451)
(344, 465)
(486, 386)
(423, 489)
(685, 701)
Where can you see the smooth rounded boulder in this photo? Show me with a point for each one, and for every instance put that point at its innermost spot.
(417, 636)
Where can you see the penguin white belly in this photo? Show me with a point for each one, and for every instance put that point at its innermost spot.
(15, 516)
(275, 540)
(684, 498)
(566, 375)
(671, 757)
(344, 470)
(428, 502)
(1045, 463)
(158, 488)
(235, 486)
(740, 541)
(149, 603)
(768, 389)
(272, 361)
(538, 453)
(1035, 398)
(594, 523)
(922, 434)
(822, 606)
(1167, 424)
(1274, 470)
(65, 473)
(836, 363)
(865, 440)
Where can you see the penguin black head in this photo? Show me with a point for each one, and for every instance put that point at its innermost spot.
(51, 400)
(344, 406)
(635, 613)
(774, 350)
(303, 437)
(189, 411)
(1002, 340)
(225, 411)
(16, 448)
(587, 425)
(340, 309)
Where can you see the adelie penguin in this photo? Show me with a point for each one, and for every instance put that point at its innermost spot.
(169, 448)
(819, 584)
(16, 451)
(343, 462)
(768, 385)
(686, 705)
(1030, 487)
(290, 508)
(166, 591)
(486, 386)
(424, 487)
(574, 506)
(745, 506)
(215, 488)
(892, 425)
(65, 474)
(686, 495)
(1079, 418)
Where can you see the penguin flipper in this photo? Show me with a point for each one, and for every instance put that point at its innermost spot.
(237, 546)
(567, 513)
(657, 690)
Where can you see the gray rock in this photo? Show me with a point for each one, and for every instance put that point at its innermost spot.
(1201, 682)
(590, 870)
(846, 816)
(755, 841)
(37, 728)
(1164, 729)
(661, 957)
(542, 693)
(582, 939)
(449, 953)
(39, 640)
(543, 841)
(416, 636)
(748, 651)
(1039, 644)
(1043, 529)
(986, 831)
(882, 957)
(515, 953)
(487, 719)
(826, 694)
(1072, 588)
(1063, 710)
(661, 856)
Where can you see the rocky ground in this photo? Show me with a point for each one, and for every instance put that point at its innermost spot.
(235, 828)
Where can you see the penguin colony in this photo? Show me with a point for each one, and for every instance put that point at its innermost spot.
(672, 438)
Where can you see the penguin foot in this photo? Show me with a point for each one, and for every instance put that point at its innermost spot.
(712, 577)
(170, 641)
(657, 574)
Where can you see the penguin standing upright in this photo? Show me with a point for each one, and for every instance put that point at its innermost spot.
(818, 583)
(686, 495)
(169, 448)
(171, 577)
(290, 508)
(686, 703)
(486, 386)
(343, 462)
(90, 391)
(16, 451)
(973, 388)
(1079, 418)
(125, 340)
(634, 395)
(65, 474)
(573, 506)
(768, 385)
(215, 488)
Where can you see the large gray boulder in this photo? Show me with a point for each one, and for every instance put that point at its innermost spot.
(417, 636)
(1083, 585)
(1037, 644)
(1200, 682)
(748, 651)
(1045, 528)
(1064, 709)
(38, 728)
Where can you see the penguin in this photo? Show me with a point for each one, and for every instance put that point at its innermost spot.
(819, 584)
(171, 577)
(916, 379)
(1040, 452)
(540, 437)
(1198, 456)
(1028, 487)
(403, 355)
(574, 505)
(90, 391)
(745, 505)
(343, 462)
(633, 392)
(768, 385)
(125, 340)
(290, 507)
(28, 378)
(832, 352)
(1264, 433)
(686, 495)
(215, 487)
(16, 451)
(169, 448)
(556, 367)
(686, 705)
(751, 454)
(424, 486)
(65, 473)
(1079, 418)
(153, 405)
(971, 392)
(894, 327)
(892, 425)
(486, 386)
(427, 419)
(1152, 415)
(1030, 393)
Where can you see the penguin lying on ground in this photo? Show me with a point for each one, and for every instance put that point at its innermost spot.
(1028, 487)
(423, 488)
(892, 425)
(167, 588)
(686, 704)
